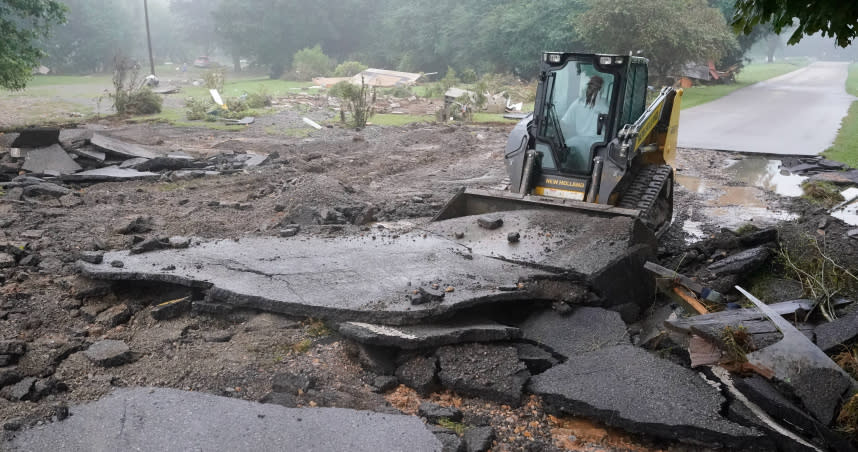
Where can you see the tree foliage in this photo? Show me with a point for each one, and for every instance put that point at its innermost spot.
(833, 18)
(668, 32)
(312, 62)
(22, 24)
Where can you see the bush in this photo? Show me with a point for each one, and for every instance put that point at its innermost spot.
(128, 97)
(398, 91)
(358, 99)
(142, 102)
(260, 99)
(196, 109)
(349, 68)
(311, 62)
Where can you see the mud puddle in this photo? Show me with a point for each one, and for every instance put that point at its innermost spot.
(737, 191)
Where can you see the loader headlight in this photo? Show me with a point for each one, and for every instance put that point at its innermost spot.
(605, 61)
(554, 58)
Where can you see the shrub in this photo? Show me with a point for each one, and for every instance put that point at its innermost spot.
(128, 97)
(143, 102)
(349, 68)
(196, 109)
(311, 62)
(260, 99)
(359, 101)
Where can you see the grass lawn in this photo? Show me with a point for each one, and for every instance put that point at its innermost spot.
(752, 73)
(845, 148)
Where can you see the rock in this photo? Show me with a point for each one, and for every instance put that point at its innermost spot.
(289, 231)
(14, 424)
(168, 162)
(479, 439)
(491, 372)
(92, 257)
(179, 242)
(114, 315)
(117, 264)
(450, 441)
(43, 388)
(15, 348)
(19, 391)
(427, 335)
(536, 359)
(49, 159)
(585, 330)
(626, 387)
(384, 383)
(152, 244)
(852, 234)
(36, 137)
(6, 360)
(740, 263)
(8, 376)
(292, 383)
(138, 225)
(7, 260)
(217, 336)
(842, 331)
(171, 309)
(378, 360)
(490, 222)
(109, 353)
(513, 237)
(423, 296)
(434, 412)
(418, 373)
(47, 190)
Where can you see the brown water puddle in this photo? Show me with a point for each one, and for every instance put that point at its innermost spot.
(741, 198)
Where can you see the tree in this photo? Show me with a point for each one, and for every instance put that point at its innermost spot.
(832, 18)
(670, 33)
(22, 23)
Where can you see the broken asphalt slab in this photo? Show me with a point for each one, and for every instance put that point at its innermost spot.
(375, 278)
(425, 336)
(585, 330)
(172, 420)
(627, 387)
(109, 174)
(120, 148)
(51, 159)
(363, 279)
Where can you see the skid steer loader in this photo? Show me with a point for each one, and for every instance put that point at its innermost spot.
(591, 144)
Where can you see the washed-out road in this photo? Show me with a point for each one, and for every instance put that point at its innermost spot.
(794, 114)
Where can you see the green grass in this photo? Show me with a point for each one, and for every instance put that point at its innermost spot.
(399, 120)
(845, 148)
(750, 74)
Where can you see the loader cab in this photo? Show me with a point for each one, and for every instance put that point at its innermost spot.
(582, 101)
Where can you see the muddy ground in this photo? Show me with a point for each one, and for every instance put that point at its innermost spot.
(396, 176)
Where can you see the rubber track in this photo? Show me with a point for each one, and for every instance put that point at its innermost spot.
(643, 192)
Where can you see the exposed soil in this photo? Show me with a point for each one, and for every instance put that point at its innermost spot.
(390, 175)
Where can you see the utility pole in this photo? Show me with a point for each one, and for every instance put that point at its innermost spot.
(148, 36)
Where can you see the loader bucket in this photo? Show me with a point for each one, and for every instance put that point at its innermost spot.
(481, 202)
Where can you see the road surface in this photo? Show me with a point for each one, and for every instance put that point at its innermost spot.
(796, 114)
